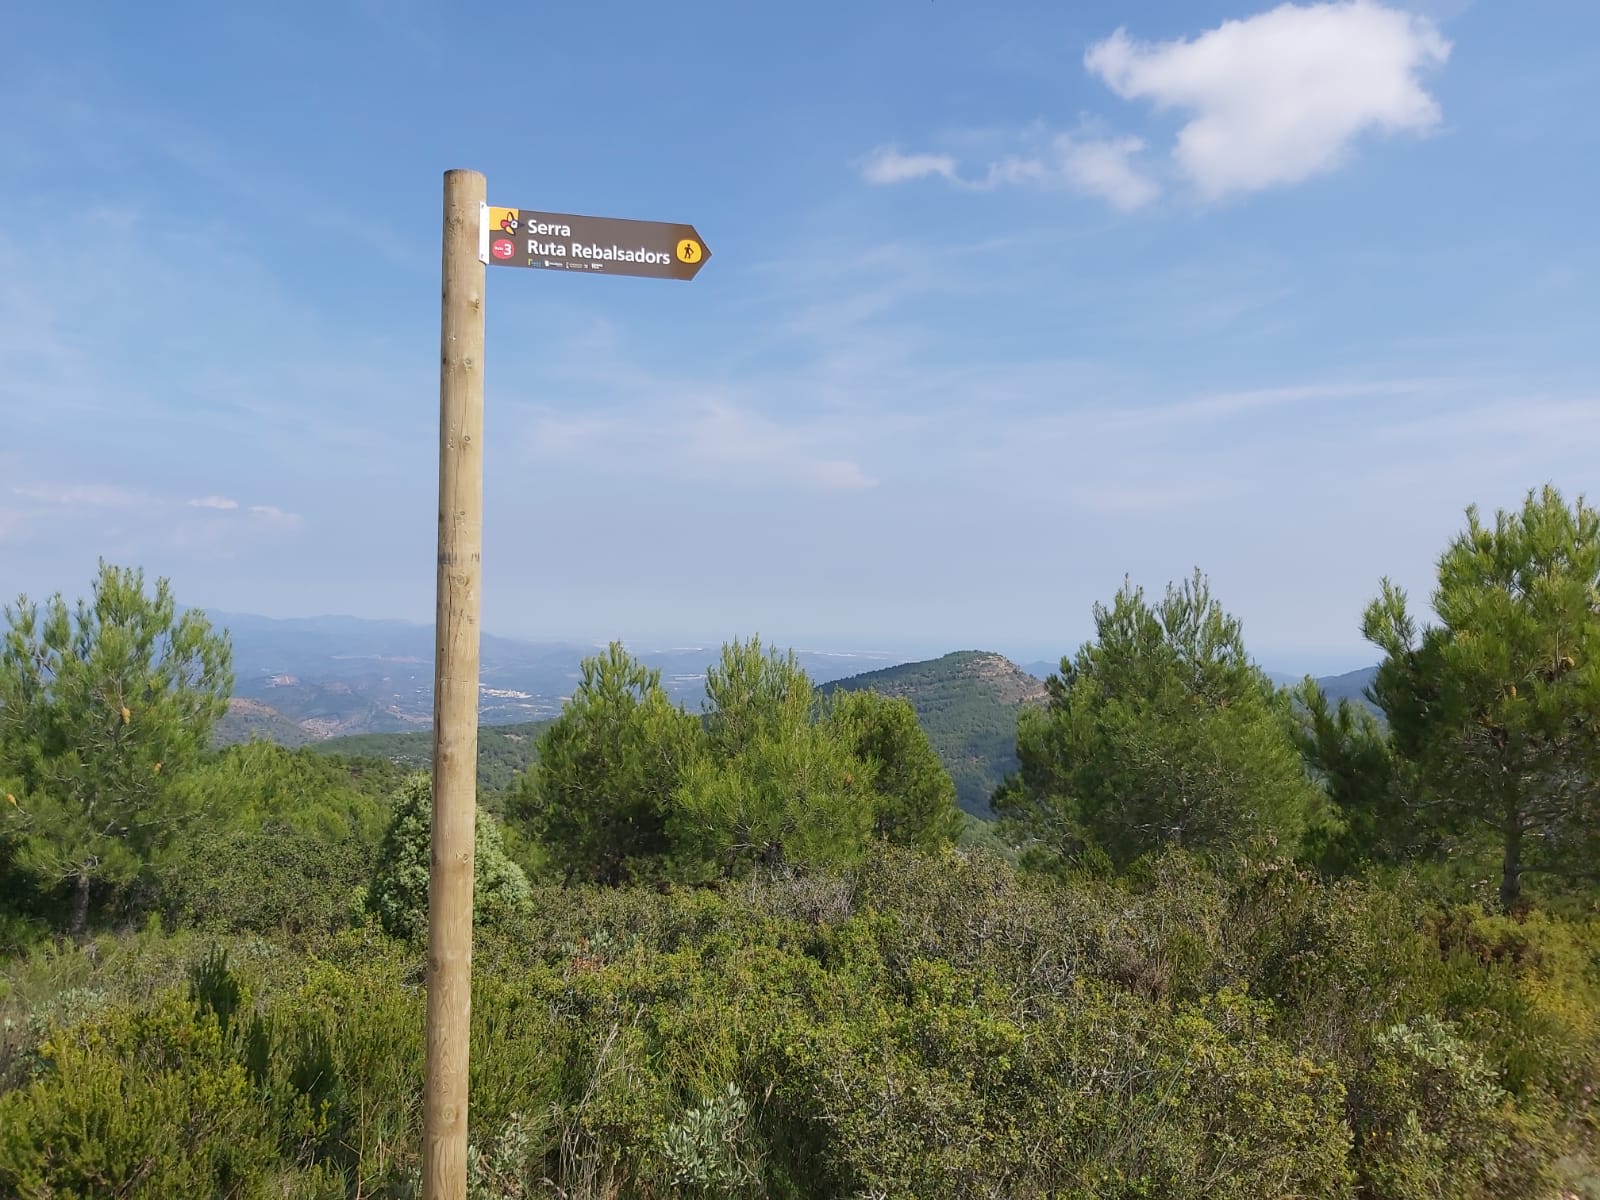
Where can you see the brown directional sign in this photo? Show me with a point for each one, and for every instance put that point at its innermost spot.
(526, 237)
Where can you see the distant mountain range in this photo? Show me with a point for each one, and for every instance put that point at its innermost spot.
(309, 679)
(358, 687)
(1352, 686)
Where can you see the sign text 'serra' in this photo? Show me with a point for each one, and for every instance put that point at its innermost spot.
(525, 237)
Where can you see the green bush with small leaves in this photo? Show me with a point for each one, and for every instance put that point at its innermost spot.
(399, 892)
(912, 1026)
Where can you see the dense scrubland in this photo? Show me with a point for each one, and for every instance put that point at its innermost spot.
(1224, 938)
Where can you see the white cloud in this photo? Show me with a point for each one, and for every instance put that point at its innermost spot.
(1279, 97)
(111, 496)
(1100, 167)
(887, 165)
(724, 435)
(1104, 168)
(274, 515)
(93, 495)
(1224, 406)
(1272, 99)
(1156, 498)
(703, 438)
(1509, 423)
(838, 475)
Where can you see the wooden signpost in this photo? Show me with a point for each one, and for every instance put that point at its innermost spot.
(475, 237)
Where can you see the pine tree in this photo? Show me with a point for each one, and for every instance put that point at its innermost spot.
(1160, 732)
(914, 798)
(1497, 706)
(100, 709)
(1372, 788)
(597, 797)
(777, 786)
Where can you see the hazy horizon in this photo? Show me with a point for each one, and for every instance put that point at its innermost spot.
(1023, 651)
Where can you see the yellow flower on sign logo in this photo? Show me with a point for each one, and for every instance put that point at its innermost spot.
(503, 220)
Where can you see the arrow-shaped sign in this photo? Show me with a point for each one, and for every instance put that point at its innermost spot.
(526, 237)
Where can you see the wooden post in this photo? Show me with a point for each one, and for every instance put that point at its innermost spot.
(455, 692)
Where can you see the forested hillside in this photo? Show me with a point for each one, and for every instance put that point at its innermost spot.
(250, 721)
(1229, 939)
(967, 703)
(504, 751)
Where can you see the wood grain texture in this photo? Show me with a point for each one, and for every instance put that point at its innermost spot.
(455, 692)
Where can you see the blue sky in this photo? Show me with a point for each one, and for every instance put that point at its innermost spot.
(1006, 302)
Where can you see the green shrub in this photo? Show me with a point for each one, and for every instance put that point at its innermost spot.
(1527, 989)
(703, 1150)
(275, 879)
(1430, 1119)
(913, 1027)
(140, 1103)
(399, 892)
